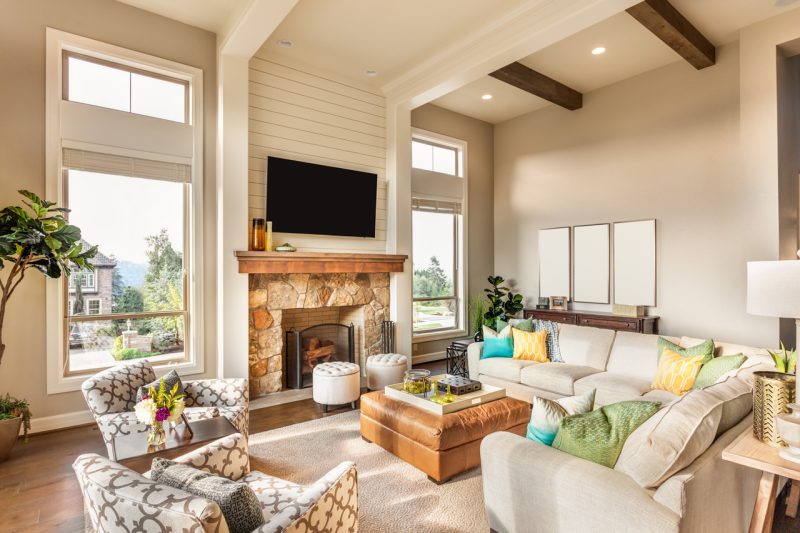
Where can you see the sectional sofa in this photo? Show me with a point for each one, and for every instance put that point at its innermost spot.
(532, 487)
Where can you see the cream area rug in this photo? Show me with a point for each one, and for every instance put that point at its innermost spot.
(393, 496)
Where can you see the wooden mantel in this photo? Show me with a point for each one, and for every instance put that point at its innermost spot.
(317, 262)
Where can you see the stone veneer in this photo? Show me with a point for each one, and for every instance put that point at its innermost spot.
(270, 294)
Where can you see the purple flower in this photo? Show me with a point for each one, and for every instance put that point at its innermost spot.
(162, 414)
(145, 396)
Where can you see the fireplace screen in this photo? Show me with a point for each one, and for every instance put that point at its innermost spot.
(307, 348)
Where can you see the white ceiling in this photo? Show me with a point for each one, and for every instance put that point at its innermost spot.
(210, 15)
(630, 50)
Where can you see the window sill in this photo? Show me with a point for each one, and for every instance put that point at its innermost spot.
(439, 335)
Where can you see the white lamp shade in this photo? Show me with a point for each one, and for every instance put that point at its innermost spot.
(773, 288)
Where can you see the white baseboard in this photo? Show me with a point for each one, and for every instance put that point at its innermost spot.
(428, 357)
(67, 420)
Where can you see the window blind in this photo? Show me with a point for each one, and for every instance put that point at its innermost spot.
(118, 165)
(436, 206)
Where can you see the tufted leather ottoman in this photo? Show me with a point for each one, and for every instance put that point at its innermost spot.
(442, 446)
(385, 369)
(336, 383)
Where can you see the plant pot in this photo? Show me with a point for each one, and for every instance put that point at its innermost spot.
(772, 394)
(9, 433)
(478, 336)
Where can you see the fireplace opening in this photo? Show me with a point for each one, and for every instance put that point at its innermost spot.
(307, 348)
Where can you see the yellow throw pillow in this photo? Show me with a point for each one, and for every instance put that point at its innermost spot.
(530, 345)
(676, 373)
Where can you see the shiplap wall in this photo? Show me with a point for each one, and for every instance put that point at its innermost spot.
(300, 115)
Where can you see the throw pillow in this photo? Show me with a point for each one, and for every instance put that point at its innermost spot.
(525, 324)
(705, 348)
(713, 370)
(547, 415)
(170, 380)
(676, 373)
(553, 349)
(530, 346)
(236, 500)
(679, 433)
(489, 333)
(598, 436)
(497, 347)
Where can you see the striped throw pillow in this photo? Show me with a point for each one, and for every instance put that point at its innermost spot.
(530, 345)
(677, 373)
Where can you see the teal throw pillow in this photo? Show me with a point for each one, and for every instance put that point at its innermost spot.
(705, 348)
(546, 415)
(498, 347)
(711, 371)
(598, 436)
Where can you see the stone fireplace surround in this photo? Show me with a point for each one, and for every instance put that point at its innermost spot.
(356, 295)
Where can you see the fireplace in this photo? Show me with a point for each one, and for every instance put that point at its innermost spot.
(307, 348)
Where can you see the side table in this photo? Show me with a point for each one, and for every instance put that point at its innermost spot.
(457, 358)
(748, 451)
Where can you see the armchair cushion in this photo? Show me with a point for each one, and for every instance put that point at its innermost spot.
(238, 502)
(227, 457)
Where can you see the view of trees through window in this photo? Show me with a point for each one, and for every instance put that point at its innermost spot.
(136, 303)
(435, 299)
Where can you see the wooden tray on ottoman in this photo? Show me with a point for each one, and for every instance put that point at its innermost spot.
(442, 446)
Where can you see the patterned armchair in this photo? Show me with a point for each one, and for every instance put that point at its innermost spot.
(119, 499)
(111, 395)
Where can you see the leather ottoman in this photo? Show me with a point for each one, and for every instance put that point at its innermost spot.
(442, 446)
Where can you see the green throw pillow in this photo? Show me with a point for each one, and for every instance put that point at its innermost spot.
(711, 371)
(523, 324)
(598, 436)
(705, 348)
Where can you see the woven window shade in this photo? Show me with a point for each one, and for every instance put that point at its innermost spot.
(436, 206)
(125, 166)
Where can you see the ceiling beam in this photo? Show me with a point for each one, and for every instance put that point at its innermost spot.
(536, 83)
(676, 31)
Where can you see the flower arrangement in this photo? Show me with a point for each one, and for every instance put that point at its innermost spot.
(157, 407)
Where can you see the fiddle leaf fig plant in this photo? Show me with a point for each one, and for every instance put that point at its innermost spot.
(503, 303)
(36, 236)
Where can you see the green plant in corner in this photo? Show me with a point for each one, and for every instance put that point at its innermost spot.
(476, 311)
(785, 360)
(503, 303)
(11, 408)
(35, 236)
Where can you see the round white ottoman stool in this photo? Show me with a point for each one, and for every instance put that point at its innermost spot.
(336, 383)
(385, 369)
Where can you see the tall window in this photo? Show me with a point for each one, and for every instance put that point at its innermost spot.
(428, 155)
(128, 149)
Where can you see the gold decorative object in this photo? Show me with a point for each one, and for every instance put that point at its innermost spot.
(258, 237)
(772, 394)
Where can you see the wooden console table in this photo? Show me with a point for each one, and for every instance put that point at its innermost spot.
(641, 324)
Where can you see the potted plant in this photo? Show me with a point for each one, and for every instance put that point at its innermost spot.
(35, 236)
(477, 310)
(785, 360)
(502, 302)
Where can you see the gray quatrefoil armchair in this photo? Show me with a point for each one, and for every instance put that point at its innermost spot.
(111, 395)
(119, 499)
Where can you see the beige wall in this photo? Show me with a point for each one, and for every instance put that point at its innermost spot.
(480, 194)
(661, 145)
(22, 154)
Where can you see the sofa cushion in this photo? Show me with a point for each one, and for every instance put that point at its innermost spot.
(530, 345)
(677, 373)
(581, 345)
(704, 347)
(497, 347)
(657, 395)
(711, 372)
(503, 368)
(555, 377)
(677, 435)
(612, 388)
(634, 354)
(546, 415)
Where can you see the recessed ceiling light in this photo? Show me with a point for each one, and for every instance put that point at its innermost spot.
(285, 43)
(371, 73)
(599, 50)
(486, 97)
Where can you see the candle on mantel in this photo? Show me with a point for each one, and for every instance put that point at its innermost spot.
(269, 236)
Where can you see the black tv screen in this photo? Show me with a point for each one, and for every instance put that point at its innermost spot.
(320, 200)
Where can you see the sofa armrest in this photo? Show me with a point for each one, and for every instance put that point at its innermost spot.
(119, 499)
(473, 356)
(526, 483)
(226, 457)
(216, 392)
(330, 504)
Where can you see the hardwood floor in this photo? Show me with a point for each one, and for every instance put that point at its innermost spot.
(39, 492)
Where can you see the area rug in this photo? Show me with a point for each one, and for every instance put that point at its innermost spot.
(393, 496)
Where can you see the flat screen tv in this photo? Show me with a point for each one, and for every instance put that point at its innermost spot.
(320, 200)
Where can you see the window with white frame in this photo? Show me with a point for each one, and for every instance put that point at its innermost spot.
(437, 234)
(130, 145)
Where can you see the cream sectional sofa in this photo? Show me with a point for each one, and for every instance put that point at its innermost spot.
(529, 487)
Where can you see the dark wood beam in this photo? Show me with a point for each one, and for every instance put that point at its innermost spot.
(529, 80)
(676, 31)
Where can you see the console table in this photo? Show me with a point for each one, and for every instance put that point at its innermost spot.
(641, 324)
